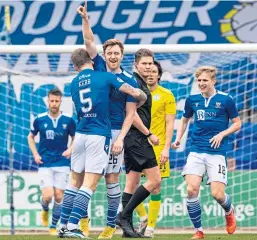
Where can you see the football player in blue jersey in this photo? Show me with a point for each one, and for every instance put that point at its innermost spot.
(90, 92)
(52, 155)
(122, 111)
(212, 111)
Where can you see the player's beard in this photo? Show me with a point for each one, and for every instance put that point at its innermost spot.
(114, 65)
(54, 110)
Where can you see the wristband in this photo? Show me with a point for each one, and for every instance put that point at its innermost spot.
(149, 134)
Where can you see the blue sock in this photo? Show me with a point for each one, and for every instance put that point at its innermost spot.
(56, 214)
(194, 211)
(113, 195)
(226, 205)
(69, 195)
(80, 206)
(44, 204)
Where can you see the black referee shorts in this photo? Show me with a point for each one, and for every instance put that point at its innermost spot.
(138, 153)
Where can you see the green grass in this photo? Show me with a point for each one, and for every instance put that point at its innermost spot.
(156, 237)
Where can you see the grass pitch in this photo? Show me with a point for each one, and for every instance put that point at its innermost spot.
(156, 237)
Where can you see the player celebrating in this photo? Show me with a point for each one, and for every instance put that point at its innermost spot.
(212, 110)
(162, 124)
(52, 155)
(90, 92)
(139, 154)
(120, 124)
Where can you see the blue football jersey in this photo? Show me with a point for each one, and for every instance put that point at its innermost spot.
(90, 92)
(54, 136)
(118, 99)
(211, 116)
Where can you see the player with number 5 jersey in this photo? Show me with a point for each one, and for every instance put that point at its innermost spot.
(90, 92)
(122, 111)
(212, 111)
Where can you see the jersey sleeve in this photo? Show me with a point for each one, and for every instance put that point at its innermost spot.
(75, 98)
(231, 108)
(134, 84)
(115, 81)
(99, 63)
(72, 88)
(188, 110)
(170, 104)
(34, 128)
(72, 127)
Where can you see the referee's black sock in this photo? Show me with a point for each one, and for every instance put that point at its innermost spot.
(139, 196)
(125, 199)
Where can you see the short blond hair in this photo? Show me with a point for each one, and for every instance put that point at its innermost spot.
(112, 42)
(208, 69)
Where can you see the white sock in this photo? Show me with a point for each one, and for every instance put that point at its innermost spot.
(71, 226)
(199, 229)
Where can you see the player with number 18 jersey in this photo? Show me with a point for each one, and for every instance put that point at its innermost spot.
(212, 110)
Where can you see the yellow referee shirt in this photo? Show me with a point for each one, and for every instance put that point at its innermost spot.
(163, 102)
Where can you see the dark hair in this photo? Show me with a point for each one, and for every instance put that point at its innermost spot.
(55, 92)
(143, 52)
(112, 42)
(80, 57)
(159, 67)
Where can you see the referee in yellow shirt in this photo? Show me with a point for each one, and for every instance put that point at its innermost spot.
(162, 125)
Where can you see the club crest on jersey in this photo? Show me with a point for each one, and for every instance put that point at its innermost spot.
(218, 104)
(156, 97)
(64, 126)
(45, 125)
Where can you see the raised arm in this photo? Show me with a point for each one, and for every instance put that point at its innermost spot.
(88, 35)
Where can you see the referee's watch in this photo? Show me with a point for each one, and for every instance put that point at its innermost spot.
(149, 134)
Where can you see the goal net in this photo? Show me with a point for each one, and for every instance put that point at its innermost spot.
(28, 73)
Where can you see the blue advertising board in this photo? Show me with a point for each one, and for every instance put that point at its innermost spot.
(134, 22)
